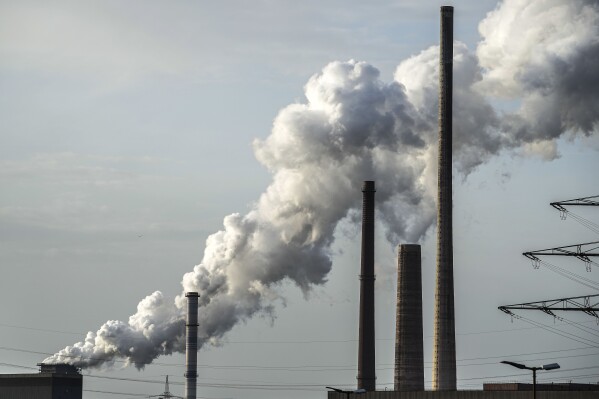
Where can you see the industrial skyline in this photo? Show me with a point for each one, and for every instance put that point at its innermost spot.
(103, 210)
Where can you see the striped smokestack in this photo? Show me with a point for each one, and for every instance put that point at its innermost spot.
(409, 357)
(191, 345)
(366, 367)
(444, 363)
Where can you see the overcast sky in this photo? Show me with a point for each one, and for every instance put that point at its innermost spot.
(129, 130)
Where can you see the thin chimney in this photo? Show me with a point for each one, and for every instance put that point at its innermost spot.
(191, 345)
(366, 359)
(444, 357)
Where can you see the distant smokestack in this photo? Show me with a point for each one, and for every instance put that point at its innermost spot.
(191, 345)
(444, 363)
(409, 357)
(366, 366)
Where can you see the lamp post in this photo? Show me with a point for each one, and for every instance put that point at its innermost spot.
(551, 366)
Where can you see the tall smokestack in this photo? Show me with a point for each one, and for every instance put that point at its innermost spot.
(366, 365)
(409, 357)
(191, 345)
(444, 363)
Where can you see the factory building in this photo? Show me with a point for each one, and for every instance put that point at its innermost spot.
(54, 381)
(514, 393)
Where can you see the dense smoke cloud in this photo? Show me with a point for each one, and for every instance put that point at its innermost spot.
(355, 127)
(543, 54)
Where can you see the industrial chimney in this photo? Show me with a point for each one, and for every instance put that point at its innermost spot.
(366, 366)
(191, 345)
(444, 359)
(409, 357)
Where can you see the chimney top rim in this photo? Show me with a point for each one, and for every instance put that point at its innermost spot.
(368, 185)
(409, 247)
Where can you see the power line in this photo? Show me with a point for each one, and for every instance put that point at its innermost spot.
(571, 275)
(319, 368)
(40, 329)
(18, 366)
(580, 327)
(559, 332)
(290, 341)
(137, 395)
(583, 221)
(526, 354)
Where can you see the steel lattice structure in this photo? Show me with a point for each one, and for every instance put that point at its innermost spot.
(585, 201)
(166, 394)
(584, 252)
(588, 304)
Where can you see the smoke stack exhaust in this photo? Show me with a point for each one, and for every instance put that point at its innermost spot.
(191, 345)
(366, 366)
(444, 358)
(409, 355)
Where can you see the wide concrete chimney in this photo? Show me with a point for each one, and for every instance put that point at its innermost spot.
(366, 366)
(191, 345)
(409, 357)
(444, 358)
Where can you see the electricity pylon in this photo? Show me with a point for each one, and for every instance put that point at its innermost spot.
(166, 394)
(588, 304)
(586, 201)
(584, 252)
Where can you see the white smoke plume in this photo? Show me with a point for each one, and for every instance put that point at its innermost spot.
(540, 55)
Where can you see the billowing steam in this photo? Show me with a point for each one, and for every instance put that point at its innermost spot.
(538, 57)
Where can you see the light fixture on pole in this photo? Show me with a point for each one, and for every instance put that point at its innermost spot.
(551, 366)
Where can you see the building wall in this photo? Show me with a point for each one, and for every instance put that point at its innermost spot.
(463, 395)
(25, 388)
(568, 386)
(40, 386)
(67, 387)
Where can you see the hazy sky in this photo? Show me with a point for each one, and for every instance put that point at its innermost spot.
(129, 132)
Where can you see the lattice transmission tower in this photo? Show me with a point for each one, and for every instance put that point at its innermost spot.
(585, 252)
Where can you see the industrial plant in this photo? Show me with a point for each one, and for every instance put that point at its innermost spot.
(54, 381)
(65, 381)
(409, 359)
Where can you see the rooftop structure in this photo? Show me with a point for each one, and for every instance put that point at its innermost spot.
(54, 381)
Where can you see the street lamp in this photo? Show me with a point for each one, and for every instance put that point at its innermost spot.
(346, 392)
(551, 366)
